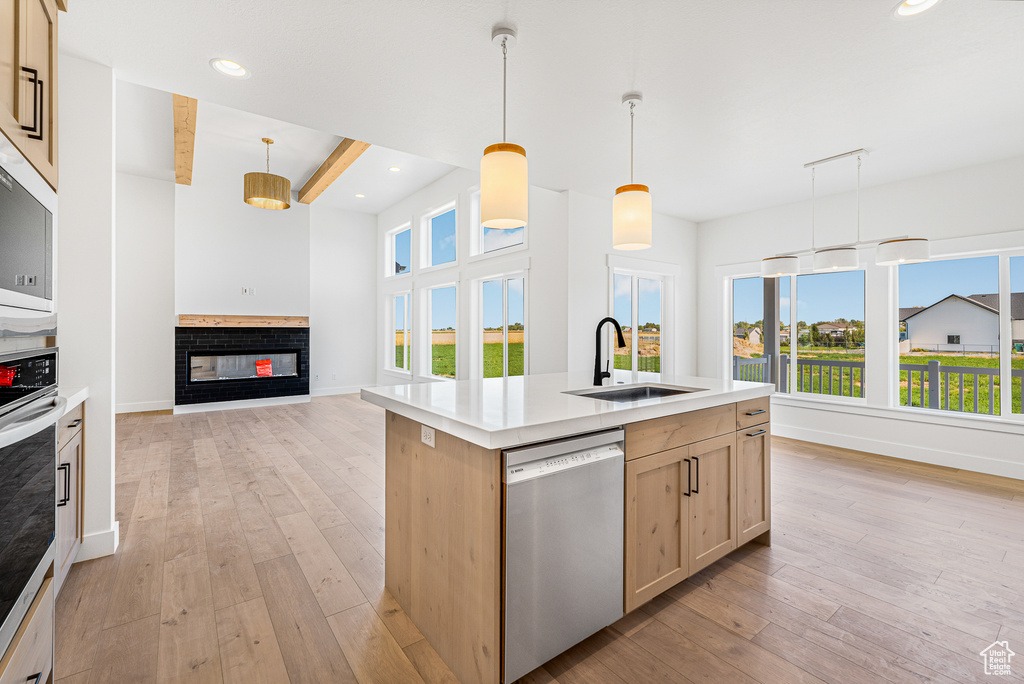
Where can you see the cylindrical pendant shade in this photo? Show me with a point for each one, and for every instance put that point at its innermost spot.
(779, 266)
(902, 251)
(504, 187)
(267, 191)
(836, 259)
(632, 217)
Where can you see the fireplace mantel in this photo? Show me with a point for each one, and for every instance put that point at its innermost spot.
(215, 321)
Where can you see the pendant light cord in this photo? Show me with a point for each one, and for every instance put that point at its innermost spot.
(504, 85)
(632, 106)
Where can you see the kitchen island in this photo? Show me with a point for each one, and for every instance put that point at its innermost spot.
(696, 486)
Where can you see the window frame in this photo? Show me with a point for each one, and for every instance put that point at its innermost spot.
(429, 330)
(667, 274)
(427, 244)
(504, 277)
(389, 347)
(390, 251)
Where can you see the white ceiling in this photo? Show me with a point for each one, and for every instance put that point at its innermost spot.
(739, 94)
(145, 147)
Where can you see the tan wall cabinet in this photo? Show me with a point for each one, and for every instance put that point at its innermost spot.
(69, 493)
(30, 655)
(690, 505)
(28, 81)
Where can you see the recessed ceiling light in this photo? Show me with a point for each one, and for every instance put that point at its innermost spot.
(394, 169)
(910, 8)
(360, 195)
(229, 68)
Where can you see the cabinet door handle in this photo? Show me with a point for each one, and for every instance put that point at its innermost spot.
(689, 478)
(66, 467)
(755, 434)
(696, 461)
(36, 129)
(75, 423)
(755, 413)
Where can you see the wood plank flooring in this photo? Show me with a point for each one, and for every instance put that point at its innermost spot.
(252, 547)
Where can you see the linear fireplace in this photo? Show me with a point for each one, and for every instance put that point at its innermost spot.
(214, 364)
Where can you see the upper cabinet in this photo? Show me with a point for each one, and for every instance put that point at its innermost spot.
(28, 81)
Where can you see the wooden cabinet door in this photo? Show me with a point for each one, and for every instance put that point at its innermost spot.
(9, 57)
(657, 509)
(712, 501)
(30, 655)
(753, 482)
(36, 94)
(69, 532)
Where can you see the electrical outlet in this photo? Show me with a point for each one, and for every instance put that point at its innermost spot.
(30, 280)
(19, 280)
(316, 376)
(245, 291)
(252, 291)
(427, 435)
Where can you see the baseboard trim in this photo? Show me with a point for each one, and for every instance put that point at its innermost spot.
(241, 404)
(145, 406)
(331, 391)
(908, 452)
(99, 544)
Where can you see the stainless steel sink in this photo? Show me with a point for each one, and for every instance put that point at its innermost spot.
(629, 393)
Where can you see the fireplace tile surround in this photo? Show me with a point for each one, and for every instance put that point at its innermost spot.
(216, 341)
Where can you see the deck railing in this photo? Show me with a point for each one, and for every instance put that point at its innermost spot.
(758, 369)
(967, 389)
(824, 376)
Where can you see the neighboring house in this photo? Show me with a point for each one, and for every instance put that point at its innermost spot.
(962, 323)
(753, 335)
(834, 330)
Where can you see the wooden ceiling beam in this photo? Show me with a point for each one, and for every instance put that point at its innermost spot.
(62, 5)
(184, 138)
(339, 160)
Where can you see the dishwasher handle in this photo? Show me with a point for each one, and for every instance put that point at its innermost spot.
(537, 452)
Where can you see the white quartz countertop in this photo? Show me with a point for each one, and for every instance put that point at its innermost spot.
(501, 412)
(74, 395)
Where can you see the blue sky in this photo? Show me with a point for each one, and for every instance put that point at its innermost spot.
(492, 302)
(402, 248)
(820, 297)
(442, 308)
(926, 283)
(500, 239)
(442, 238)
(649, 310)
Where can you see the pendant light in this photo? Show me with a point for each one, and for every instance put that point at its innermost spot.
(265, 190)
(504, 185)
(840, 258)
(902, 251)
(631, 208)
(780, 266)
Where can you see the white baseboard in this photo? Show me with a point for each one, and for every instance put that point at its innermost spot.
(99, 544)
(141, 406)
(241, 404)
(330, 391)
(910, 452)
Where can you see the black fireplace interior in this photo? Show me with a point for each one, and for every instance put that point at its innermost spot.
(283, 354)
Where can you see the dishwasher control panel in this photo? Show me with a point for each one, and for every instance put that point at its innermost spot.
(554, 464)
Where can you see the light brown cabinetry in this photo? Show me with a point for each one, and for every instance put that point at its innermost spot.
(692, 503)
(28, 81)
(30, 655)
(69, 488)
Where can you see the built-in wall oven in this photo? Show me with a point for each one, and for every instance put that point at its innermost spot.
(29, 411)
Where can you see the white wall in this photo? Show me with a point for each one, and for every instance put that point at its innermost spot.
(145, 294)
(964, 212)
(978, 328)
(342, 297)
(221, 244)
(590, 244)
(85, 272)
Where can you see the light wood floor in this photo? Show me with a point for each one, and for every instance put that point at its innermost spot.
(252, 551)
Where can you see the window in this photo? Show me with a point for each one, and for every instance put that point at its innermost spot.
(441, 229)
(504, 327)
(400, 314)
(637, 306)
(399, 251)
(490, 239)
(942, 370)
(830, 334)
(1016, 332)
(748, 360)
(443, 314)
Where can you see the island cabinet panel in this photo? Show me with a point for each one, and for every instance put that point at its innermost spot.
(753, 488)
(752, 412)
(657, 525)
(660, 434)
(443, 544)
(713, 524)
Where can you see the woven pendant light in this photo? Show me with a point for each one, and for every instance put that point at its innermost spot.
(265, 190)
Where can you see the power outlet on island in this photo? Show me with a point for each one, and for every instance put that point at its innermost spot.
(427, 435)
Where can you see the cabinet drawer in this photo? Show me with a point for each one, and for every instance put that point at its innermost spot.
(753, 412)
(670, 432)
(30, 657)
(70, 425)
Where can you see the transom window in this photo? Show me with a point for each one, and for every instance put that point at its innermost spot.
(399, 251)
(441, 238)
(490, 240)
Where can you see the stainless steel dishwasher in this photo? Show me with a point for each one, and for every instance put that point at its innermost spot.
(563, 546)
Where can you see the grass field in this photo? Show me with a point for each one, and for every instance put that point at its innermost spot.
(442, 362)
